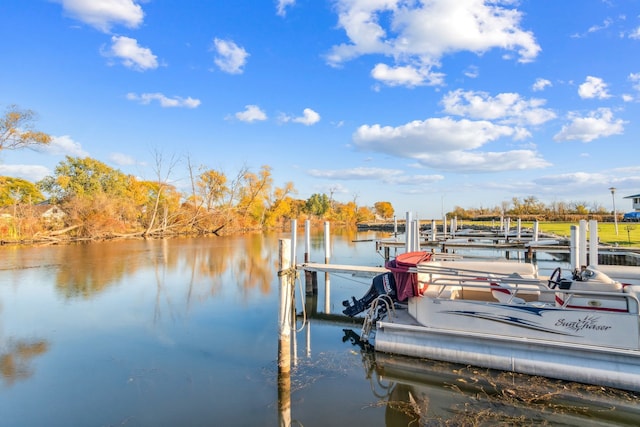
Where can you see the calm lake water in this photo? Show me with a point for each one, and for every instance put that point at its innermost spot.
(184, 332)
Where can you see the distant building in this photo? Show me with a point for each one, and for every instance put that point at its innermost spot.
(635, 202)
(48, 213)
(635, 205)
(53, 214)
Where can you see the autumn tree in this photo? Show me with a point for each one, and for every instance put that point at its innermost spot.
(212, 188)
(163, 171)
(161, 207)
(95, 196)
(346, 212)
(317, 204)
(383, 209)
(253, 196)
(80, 177)
(18, 191)
(279, 204)
(364, 213)
(16, 129)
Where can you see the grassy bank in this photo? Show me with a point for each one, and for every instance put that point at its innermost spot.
(628, 233)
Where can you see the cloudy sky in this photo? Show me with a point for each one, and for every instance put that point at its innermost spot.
(425, 104)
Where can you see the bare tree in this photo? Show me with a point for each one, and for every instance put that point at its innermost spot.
(163, 178)
(16, 130)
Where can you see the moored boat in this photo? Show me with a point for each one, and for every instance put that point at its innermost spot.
(583, 326)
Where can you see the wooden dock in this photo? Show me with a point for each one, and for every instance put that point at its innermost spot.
(354, 270)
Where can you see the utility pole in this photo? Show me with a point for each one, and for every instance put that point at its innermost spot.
(615, 214)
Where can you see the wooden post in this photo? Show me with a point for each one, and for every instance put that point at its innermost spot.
(307, 240)
(327, 243)
(574, 248)
(310, 277)
(593, 242)
(444, 227)
(582, 242)
(327, 293)
(506, 229)
(408, 233)
(308, 337)
(294, 241)
(284, 341)
(434, 230)
(452, 227)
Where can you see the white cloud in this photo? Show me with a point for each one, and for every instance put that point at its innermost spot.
(418, 34)
(573, 178)
(406, 76)
(605, 24)
(166, 102)
(447, 144)
(230, 57)
(634, 78)
(414, 180)
(475, 161)
(63, 146)
(281, 7)
(593, 87)
(388, 176)
(599, 123)
(122, 159)
(355, 173)
(504, 107)
(540, 84)
(103, 14)
(31, 173)
(131, 54)
(251, 114)
(472, 72)
(434, 135)
(308, 118)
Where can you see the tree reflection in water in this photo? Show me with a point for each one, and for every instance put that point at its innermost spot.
(425, 392)
(16, 358)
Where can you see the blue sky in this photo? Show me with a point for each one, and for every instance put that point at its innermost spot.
(424, 104)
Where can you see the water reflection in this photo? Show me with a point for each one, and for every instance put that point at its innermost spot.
(185, 332)
(86, 269)
(424, 392)
(16, 358)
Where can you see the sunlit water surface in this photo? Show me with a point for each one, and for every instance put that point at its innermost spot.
(184, 332)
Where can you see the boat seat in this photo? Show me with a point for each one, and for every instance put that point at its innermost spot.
(502, 293)
(431, 288)
(635, 291)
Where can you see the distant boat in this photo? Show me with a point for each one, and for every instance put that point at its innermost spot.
(582, 327)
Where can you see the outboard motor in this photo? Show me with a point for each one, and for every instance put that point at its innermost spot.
(383, 284)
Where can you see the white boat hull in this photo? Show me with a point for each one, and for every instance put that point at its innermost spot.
(460, 332)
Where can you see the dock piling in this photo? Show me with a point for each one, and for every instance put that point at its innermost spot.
(284, 323)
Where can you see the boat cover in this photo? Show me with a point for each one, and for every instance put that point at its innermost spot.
(406, 282)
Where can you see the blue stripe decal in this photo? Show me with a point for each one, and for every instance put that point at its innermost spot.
(510, 320)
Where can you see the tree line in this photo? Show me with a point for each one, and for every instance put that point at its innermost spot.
(96, 201)
(85, 198)
(530, 209)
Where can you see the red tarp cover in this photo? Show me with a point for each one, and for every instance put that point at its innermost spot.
(407, 283)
